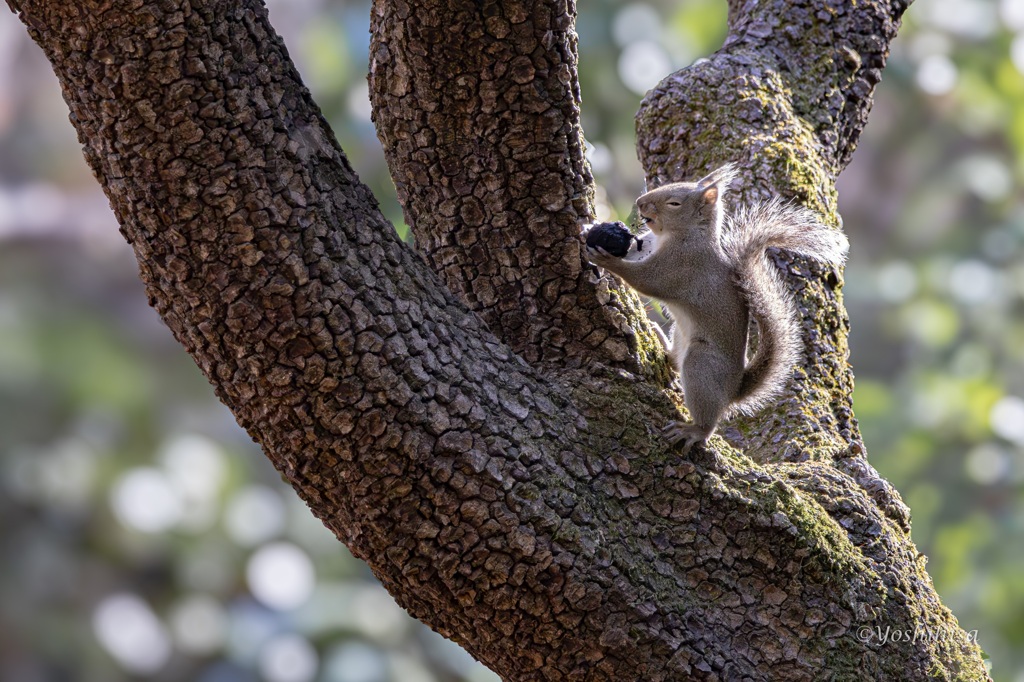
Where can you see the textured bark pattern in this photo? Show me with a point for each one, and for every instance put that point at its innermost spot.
(535, 517)
(477, 106)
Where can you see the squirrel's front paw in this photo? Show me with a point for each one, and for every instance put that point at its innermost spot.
(598, 256)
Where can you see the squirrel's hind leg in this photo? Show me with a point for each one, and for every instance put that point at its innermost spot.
(707, 396)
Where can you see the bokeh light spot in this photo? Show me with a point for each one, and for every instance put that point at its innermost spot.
(254, 515)
(634, 23)
(280, 575)
(199, 625)
(1017, 51)
(356, 662)
(1012, 14)
(642, 65)
(600, 157)
(358, 100)
(972, 281)
(897, 281)
(1007, 419)
(195, 464)
(129, 630)
(987, 464)
(289, 658)
(987, 176)
(937, 75)
(377, 615)
(144, 499)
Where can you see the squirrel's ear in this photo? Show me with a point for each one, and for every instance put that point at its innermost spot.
(719, 178)
(710, 195)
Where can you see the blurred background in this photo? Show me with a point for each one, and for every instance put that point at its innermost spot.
(144, 536)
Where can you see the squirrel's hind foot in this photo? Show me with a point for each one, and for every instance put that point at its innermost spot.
(686, 434)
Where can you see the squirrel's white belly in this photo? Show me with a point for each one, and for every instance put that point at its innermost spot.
(682, 332)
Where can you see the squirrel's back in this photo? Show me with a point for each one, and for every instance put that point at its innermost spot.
(748, 232)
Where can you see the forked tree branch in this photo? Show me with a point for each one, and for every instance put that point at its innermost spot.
(529, 511)
(477, 105)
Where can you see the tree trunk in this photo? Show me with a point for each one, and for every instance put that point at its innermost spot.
(494, 455)
(477, 107)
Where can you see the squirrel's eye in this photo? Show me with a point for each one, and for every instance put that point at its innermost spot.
(673, 203)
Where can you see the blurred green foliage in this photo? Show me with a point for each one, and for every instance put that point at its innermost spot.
(128, 497)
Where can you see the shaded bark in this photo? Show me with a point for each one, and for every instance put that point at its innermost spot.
(477, 106)
(528, 510)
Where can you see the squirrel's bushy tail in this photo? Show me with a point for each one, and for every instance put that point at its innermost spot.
(748, 233)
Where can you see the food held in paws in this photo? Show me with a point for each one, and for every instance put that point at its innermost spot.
(612, 237)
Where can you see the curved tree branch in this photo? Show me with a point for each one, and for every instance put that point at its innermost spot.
(477, 106)
(533, 515)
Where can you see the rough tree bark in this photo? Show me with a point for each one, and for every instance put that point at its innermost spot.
(493, 454)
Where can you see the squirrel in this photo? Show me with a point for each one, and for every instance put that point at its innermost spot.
(712, 273)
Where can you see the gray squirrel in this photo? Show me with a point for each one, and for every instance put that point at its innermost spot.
(711, 272)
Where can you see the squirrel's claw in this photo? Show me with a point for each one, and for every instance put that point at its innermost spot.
(597, 253)
(687, 434)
